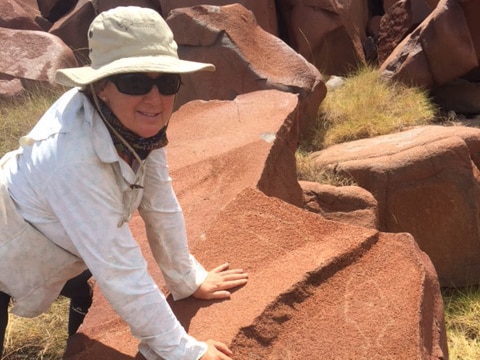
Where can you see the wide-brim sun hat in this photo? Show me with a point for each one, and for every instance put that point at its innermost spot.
(129, 39)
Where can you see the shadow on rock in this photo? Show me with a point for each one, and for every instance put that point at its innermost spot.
(186, 309)
(80, 343)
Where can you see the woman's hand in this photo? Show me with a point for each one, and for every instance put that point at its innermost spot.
(219, 281)
(217, 351)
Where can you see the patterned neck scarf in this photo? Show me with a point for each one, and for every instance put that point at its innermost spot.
(142, 146)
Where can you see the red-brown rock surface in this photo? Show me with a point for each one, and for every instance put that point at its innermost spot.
(423, 58)
(315, 286)
(426, 183)
(349, 204)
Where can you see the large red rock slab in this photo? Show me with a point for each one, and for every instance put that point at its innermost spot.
(399, 19)
(341, 291)
(220, 153)
(247, 58)
(433, 55)
(315, 287)
(33, 55)
(263, 10)
(14, 16)
(331, 34)
(216, 150)
(426, 183)
(349, 204)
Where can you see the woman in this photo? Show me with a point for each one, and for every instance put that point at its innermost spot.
(96, 156)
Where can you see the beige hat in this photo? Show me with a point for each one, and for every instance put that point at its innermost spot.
(129, 39)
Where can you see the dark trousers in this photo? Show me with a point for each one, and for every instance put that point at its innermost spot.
(78, 290)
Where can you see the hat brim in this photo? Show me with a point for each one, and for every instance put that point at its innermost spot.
(85, 75)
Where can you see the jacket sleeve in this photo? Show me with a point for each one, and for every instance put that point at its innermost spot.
(165, 227)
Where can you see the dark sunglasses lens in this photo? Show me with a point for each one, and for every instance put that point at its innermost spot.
(133, 84)
(168, 84)
(141, 84)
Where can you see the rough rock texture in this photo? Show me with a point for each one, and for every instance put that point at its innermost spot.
(326, 31)
(349, 204)
(264, 11)
(232, 166)
(52, 10)
(459, 95)
(36, 55)
(335, 36)
(426, 183)
(433, 55)
(10, 86)
(14, 16)
(399, 20)
(247, 58)
(71, 25)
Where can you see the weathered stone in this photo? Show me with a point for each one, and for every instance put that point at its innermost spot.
(433, 55)
(298, 261)
(326, 31)
(247, 58)
(13, 16)
(426, 183)
(10, 86)
(52, 10)
(264, 11)
(34, 55)
(460, 96)
(399, 20)
(73, 28)
(349, 204)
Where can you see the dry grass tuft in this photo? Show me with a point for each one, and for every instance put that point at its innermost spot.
(367, 106)
(44, 337)
(307, 172)
(364, 106)
(462, 319)
(40, 338)
(18, 116)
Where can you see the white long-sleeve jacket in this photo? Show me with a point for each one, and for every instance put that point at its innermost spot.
(67, 181)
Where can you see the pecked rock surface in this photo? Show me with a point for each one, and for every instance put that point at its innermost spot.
(316, 286)
(426, 183)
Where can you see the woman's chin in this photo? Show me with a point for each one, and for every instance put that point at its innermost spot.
(146, 133)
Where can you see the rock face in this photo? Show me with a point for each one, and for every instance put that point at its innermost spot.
(348, 204)
(13, 16)
(399, 20)
(409, 40)
(232, 159)
(423, 58)
(309, 278)
(247, 58)
(426, 183)
(33, 55)
(325, 31)
(264, 11)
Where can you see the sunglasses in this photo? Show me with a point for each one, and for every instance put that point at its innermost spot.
(141, 84)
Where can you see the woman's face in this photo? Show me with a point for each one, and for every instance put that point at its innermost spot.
(145, 115)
